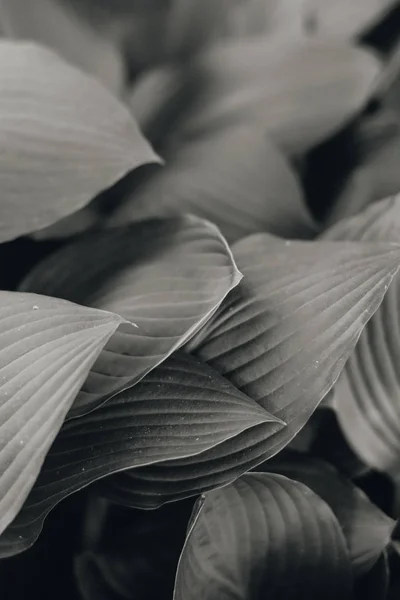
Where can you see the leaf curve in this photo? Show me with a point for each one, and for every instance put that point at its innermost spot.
(283, 336)
(366, 528)
(55, 25)
(47, 349)
(153, 486)
(166, 276)
(63, 138)
(181, 409)
(235, 177)
(264, 535)
(368, 392)
(300, 92)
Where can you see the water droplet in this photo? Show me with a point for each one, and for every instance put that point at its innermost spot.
(22, 442)
(35, 307)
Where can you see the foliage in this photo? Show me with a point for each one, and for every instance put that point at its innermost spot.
(199, 305)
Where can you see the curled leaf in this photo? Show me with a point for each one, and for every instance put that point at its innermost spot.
(165, 276)
(264, 535)
(234, 177)
(47, 349)
(183, 408)
(284, 335)
(54, 24)
(64, 139)
(366, 528)
(367, 394)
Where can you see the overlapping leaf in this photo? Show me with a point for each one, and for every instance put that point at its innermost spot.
(47, 349)
(368, 393)
(63, 139)
(366, 528)
(264, 536)
(166, 276)
(236, 178)
(284, 335)
(300, 92)
(182, 408)
(54, 24)
(153, 486)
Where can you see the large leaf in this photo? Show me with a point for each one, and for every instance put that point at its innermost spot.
(47, 349)
(286, 332)
(153, 486)
(300, 92)
(166, 276)
(264, 536)
(182, 408)
(368, 393)
(366, 528)
(64, 138)
(53, 23)
(344, 19)
(234, 177)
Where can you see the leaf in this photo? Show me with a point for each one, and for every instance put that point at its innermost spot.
(181, 409)
(54, 24)
(47, 349)
(166, 276)
(264, 536)
(234, 177)
(367, 394)
(153, 486)
(366, 528)
(64, 138)
(300, 92)
(283, 336)
(345, 19)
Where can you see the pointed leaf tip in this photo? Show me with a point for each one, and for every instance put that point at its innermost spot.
(64, 139)
(284, 335)
(47, 349)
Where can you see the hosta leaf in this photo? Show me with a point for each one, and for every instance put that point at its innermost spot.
(299, 92)
(236, 178)
(53, 23)
(368, 393)
(286, 332)
(264, 536)
(166, 276)
(151, 487)
(64, 138)
(345, 19)
(47, 349)
(366, 528)
(182, 408)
